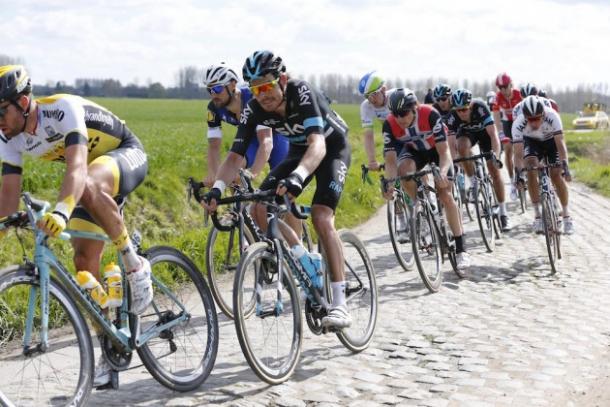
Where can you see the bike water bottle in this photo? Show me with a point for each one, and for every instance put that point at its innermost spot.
(114, 285)
(88, 282)
(312, 264)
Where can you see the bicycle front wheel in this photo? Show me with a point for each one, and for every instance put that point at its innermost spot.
(426, 247)
(270, 337)
(398, 213)
(180, 357)
(551, 232)
(360, 293)
(484, 212)
(222, 257)
(59, 375)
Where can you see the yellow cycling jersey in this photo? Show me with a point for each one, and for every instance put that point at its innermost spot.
(62, 115)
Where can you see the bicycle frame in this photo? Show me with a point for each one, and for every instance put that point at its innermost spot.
(127, 336)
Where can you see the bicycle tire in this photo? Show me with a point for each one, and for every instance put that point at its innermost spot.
(354, 338)
(484, 214)
(549, 226)
(403, 251)
(170, 266)
(221, 264)
(422, 221)
(11, 349)
(264, 263)
(522, 199)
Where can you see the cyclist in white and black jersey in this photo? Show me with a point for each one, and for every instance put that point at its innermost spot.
(318, 148)
(373, 107)
(538, 134)
(528, 90)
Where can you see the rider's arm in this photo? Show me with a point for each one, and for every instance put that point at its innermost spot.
(517, 131)
(214, 145)
(316, 150)
(73, 184)
(265, 145)
(444, 154)
(369, 144)
(561, 147)
(497, 116)
(495, 140)
(9, 193)
(390, 155)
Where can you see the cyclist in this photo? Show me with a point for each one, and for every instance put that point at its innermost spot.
(490, 98)
(538, 134)
(375, 106)
(506, 99)
(227, 101)
(472, 123)
(104, 161)
(442, 103)
(318, 148)
(415, 135)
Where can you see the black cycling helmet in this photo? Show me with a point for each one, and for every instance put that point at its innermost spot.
(261, 63)
(542, 93)
(440, 90)
(461, 98)
(528, 89)
(14, 81)
(402, 100)
(533, 106)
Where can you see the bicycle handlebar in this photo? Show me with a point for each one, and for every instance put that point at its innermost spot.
(434, 170)
(488, 154)
(365, 172)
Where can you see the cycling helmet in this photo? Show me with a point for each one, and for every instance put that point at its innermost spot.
(371, 82)
(528, 89)
(14, 80)
(461, 98)
(401, 101)
(542, 93)
(533, 106)
(440, 90)
(219, 75)
(261, 63)
(491, 97)
(503, 80)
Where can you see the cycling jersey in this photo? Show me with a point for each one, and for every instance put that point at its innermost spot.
(444, 113)
(427, 130)
(368, 112)
(551, 126)
(307, 112)
(217, 115)
(475, 129)
(547, 103)
(64, 120)
(505, 106)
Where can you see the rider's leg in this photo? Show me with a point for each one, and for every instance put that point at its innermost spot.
(464, 145)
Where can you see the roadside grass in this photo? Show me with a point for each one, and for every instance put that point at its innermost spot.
(590, 158)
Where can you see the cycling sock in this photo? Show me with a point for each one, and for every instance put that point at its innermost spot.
(470, 180)
(459, 244)
(565, 212)
(338, 289)
(128, 253)
(502, 207)
(537, 209)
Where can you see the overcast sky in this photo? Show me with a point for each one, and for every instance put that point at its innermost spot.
(542, 41)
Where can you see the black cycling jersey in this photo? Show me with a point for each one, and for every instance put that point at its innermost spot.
(307, 112)
(480, 117)
(444, 113)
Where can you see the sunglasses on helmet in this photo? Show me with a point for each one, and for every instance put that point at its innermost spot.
(263, 87)
(215, 90)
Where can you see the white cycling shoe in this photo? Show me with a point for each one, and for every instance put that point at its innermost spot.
(140, 285)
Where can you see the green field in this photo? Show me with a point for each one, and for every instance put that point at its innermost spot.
(174, 136)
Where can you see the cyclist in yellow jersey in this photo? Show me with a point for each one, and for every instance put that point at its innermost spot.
(104, 162)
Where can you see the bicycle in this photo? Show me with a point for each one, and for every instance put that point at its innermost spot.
(459, 190)
(522, 193)
(227, 243)
(277, 320)
(550, 220)
(430, 238)
(45, 341)
(485, 202)
(397, 207)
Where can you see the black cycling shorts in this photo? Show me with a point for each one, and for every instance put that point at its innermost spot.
(330, 175)
(541, 149)
(480, 138)
(507, 126)
(422, 158)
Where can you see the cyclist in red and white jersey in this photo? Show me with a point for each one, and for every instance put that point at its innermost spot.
(506, 99)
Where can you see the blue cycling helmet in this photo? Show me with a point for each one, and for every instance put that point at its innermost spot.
(440, 90)
(461, 98)
(261, 63)
(371, 82)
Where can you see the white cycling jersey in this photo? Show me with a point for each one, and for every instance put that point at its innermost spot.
(551, 126)
(368, 112)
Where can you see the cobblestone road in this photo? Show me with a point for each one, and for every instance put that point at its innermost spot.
(509, 334)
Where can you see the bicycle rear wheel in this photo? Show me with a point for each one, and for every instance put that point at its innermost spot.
(181, 357)
(403, 250)
(60, 375)
(270, 338)
(522, 199)
(360, 293)
(426, 247)
(484, 212)
(222, 257)
(549, 224)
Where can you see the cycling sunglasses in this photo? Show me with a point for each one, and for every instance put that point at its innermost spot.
(373, 93)
(263, 87)
(215, 90)
(402, 113)
(442, 99)
(461, 109)
(534, 119)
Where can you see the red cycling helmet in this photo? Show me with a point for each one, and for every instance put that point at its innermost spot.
(503, 80)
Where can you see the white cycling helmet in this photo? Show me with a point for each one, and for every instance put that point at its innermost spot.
(219, 75)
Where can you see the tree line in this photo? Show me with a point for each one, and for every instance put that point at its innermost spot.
(338, 87)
